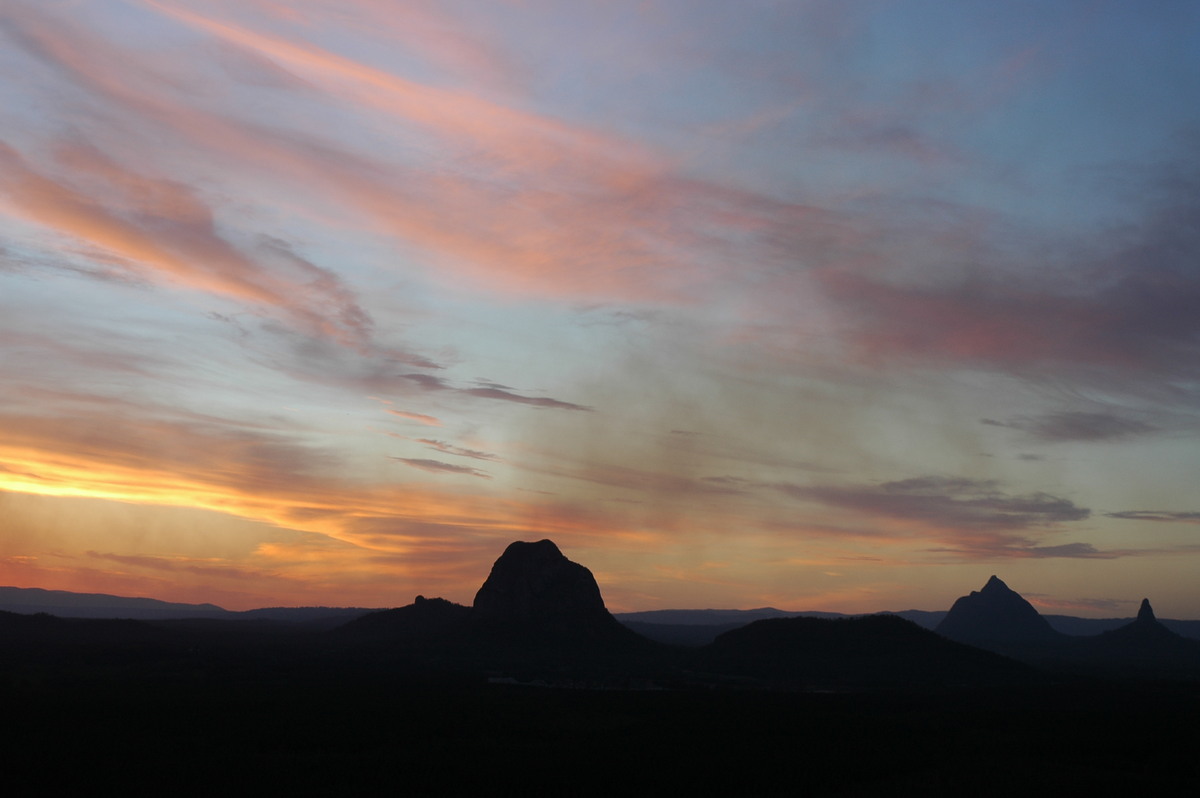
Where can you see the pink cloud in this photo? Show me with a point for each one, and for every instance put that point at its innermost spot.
(158, 227)
(423, 418)
(535, 205)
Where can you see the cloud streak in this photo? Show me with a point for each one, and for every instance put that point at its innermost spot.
(535, 401)
(1123, 313)
(432, 382)
(1159, 516)
(442, 446)
(428, 420)
(947, 502)
(438, 467)
(1076, 425)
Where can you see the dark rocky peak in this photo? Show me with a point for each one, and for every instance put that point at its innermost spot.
(535, 583)
(1146, 612)
(995, 586)
(995, 614)
(1145, 645)
(1145, 626)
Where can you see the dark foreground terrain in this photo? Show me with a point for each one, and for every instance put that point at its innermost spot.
(408, 737)
(537, 690)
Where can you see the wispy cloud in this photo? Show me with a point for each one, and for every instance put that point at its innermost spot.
(1163, 516)
(200, 567)
(1084, 550)
(947, 502)
(448, 448)
(438, 467)
(535, 401)
(1076, 425)
(432, 382)
(431, 421)
(1124, 314)
(159, 227)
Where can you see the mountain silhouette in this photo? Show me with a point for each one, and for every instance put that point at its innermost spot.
(423, 624)
(65, 604)
(696, 628)
(536, 600)
(1145, 632)
(996, 617)
(1141, 648)
(439, 698)
(540, 616)
(872, 651)
(534, 584)
(537, 613)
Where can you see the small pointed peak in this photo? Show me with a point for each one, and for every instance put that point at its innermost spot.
(1146, 612)
(995, 584)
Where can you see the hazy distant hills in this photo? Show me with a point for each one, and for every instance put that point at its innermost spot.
(540, 617)
(700, 627)
(65, 604)
(682, 626)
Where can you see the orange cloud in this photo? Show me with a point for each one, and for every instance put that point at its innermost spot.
(195, 462)
(423, 418)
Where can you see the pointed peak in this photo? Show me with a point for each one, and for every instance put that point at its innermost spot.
(995, 585)
(996, 613)
(1145, 612)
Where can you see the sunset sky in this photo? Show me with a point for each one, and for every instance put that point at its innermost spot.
(840, 305)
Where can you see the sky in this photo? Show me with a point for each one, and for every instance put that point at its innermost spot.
(820, 305)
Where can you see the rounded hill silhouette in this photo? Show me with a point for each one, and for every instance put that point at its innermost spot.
(872, 651)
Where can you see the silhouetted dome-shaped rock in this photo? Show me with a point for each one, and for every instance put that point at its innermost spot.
(537, 594)
(995, 614)
(534, 582)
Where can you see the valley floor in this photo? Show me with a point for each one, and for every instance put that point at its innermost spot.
(415, 738)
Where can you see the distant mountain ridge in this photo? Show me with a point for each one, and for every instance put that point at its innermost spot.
(711, 617)
(540, 617)
(65, 604)
(670, 624)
